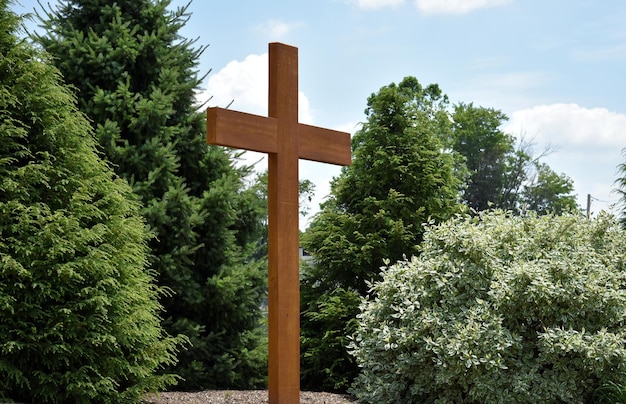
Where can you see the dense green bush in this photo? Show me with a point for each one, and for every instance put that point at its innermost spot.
(331, 319)
(79, 316)
(498, 308)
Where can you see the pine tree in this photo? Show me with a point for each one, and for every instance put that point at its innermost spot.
(79, 311)
(136, 80)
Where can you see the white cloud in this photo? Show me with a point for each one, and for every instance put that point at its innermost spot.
(570, 125)
(305, 112)
(456, 6)
(242, 83)
(374, 4)
(276, 29)
(245, 85)
(587, 145)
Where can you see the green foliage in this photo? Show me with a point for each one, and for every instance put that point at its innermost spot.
(612, 392)
(621, 188)
(500, 175)
(79, 312)
(330, 320)
(498, 308)
(306, 191)
(136, 80)
(486, 150)
(549, 192)
(399, 179)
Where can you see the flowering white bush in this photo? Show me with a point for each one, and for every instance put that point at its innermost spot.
(498, 308)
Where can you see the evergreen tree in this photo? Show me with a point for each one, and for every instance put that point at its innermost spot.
(79, 311)
(136, 80)
(400, 178)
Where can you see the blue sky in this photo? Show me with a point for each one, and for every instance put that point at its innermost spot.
(556, 68)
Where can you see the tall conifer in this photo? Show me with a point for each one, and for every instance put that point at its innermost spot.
(136, 79)
(79, 312)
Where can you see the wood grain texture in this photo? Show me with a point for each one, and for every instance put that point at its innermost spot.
(283, 230)
(241, 131)
(324, 145)
(285, 140)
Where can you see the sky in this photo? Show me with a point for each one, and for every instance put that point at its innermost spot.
(555, 68)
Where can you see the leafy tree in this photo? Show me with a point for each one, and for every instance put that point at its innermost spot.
(498, 308)
(399, 179)
(306, 191)
(518, 165)
(549, 192)
(501, 174)
(478, 138)
(79, 312)
(136, 80)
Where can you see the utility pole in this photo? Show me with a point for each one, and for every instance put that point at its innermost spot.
(588, 206)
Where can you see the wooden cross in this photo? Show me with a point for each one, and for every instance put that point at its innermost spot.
(285, 140)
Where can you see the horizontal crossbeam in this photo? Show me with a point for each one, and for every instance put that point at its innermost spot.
(240, 130)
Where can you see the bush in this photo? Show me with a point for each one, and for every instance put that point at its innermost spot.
(79, 316)
(331, 318)
(498, 309)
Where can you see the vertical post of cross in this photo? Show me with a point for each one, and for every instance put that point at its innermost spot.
(285, 141)
(283, 229)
